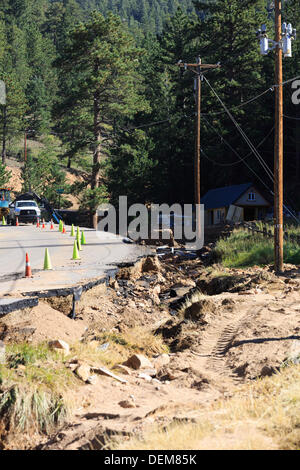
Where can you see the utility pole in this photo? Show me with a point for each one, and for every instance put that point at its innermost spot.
(25, 146)
(278, 151)
(3, 103)
(284, 34)
(198, 68)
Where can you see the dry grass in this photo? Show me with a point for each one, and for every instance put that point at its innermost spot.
(263, 415)
(121, 345)
(192, 299)
(36, 386)
(35, 394)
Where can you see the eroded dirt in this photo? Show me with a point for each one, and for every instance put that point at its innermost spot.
(244, 324)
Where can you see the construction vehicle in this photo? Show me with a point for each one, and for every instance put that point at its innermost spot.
(5, 201)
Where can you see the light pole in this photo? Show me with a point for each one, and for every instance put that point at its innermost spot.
(284, 35)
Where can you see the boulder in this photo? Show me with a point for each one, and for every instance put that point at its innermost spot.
(138, 361)
(59, 344)
(83, 372)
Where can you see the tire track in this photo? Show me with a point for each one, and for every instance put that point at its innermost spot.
(217, 340)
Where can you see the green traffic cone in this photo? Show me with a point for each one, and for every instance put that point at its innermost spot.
(60, 226)
(47, 260)
(3, 221)
(79, 244)
(75, 252)
(77, 232)
(72, 231)
(83, 241)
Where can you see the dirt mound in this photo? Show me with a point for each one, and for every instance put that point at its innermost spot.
(41, 323)
(196, 312)
(219, 280)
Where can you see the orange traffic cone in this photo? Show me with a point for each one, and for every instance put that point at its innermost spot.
(43, 226)
(64, 229)
(38, 223)
(17, 222)
(51, 226)
(28, 272)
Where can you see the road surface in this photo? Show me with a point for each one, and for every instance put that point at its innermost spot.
(101, 253)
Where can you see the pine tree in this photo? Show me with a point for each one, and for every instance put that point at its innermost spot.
(5, 175)
(101, 62)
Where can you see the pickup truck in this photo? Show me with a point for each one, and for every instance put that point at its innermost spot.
(26, 211)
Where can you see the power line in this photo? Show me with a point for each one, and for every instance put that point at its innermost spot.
(253, 150)
(242, 104)
(291, 117)
(247, 140)
(241, 159)
(271, 88)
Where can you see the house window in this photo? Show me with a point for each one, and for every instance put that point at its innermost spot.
(220, 214)
(251, 196)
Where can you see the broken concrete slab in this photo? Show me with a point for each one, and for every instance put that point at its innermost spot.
(12, 304)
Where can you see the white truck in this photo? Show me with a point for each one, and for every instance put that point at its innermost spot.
(26, 211)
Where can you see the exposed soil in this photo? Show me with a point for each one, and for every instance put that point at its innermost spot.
(41, 323)
(72, 176)
(243, 325)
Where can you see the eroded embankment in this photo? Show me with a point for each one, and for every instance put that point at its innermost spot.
(230, 326)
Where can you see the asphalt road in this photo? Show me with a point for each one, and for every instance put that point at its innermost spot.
(101, 253)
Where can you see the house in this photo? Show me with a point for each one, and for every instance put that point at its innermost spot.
(242, 202)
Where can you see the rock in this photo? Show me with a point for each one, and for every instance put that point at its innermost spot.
(123, 369)
(155, 299)
(179, 291)
(113, 284)
(161, 361)
(92, 379)
(146, 377)
(138, 361)
(166, 374)
(267, 371)
(59, 344)
(156, 290)
(127, 403)
(83, 372)
(150, 372)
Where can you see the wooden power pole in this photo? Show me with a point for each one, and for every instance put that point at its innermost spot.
(198, 68)
(278, 151)
(284, 35)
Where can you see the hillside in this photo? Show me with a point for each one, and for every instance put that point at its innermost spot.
(150, 14)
